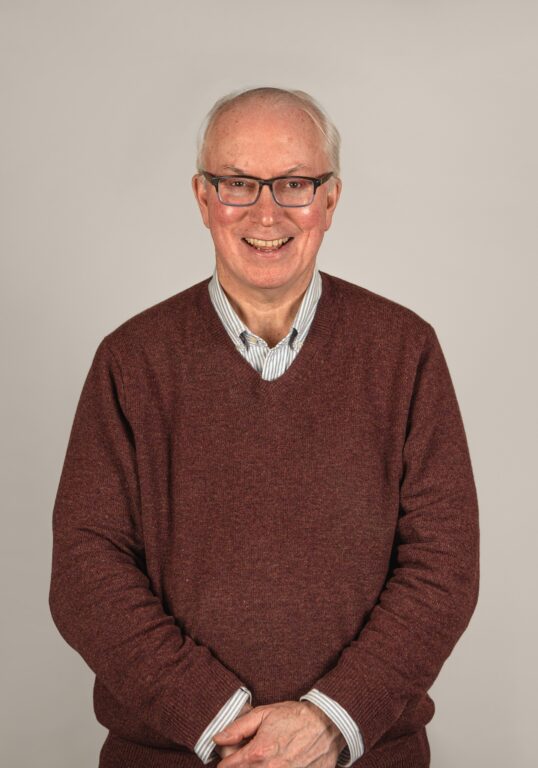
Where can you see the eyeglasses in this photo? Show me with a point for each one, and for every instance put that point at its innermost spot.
(287, 191)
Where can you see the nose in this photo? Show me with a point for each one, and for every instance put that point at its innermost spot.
(265, 210)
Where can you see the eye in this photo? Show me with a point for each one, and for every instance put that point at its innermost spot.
(294, 184)
(238, 184)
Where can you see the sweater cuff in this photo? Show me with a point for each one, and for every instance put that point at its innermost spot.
(344, 722)
(364, 697)
(186, 714)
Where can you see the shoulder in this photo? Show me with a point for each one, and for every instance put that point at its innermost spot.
(160, 325)
(373, 313)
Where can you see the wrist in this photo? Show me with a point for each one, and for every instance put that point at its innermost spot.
(333, 729)
(340, 740)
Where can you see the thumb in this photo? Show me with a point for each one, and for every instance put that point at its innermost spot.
(244, 726)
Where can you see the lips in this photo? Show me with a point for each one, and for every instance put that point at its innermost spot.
(267, 245)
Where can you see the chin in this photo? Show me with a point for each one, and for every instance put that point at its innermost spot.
(270, 276)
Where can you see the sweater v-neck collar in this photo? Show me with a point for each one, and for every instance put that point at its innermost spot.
(241, 334)
(325, 319)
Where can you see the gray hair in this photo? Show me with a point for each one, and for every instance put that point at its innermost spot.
(300, 99)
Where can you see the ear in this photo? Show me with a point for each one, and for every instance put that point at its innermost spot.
(201, 191)
(332, 197)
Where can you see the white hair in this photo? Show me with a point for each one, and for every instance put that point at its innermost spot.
(300, 99)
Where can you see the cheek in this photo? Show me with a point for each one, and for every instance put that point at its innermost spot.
(224, 216)
(310, 220)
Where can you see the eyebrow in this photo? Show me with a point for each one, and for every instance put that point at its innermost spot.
(244, 173)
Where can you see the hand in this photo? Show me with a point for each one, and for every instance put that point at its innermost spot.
(225, 750)
(282, 734)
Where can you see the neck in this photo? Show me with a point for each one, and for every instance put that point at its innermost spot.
(268, 312)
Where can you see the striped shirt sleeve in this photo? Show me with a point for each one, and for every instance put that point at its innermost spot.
(205, 746)
(345, 723)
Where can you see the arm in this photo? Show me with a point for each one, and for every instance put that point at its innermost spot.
(432, 589)
(100, 596)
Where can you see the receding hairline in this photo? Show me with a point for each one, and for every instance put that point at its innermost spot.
(255, 106)
(269, 96)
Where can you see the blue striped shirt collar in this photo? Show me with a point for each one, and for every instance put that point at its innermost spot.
(239, 332)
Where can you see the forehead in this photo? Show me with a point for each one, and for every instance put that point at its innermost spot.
(265, 139)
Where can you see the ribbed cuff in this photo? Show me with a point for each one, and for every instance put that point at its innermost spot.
(364, 698)
(192, 701)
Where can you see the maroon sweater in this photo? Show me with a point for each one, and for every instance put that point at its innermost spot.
(213, 529)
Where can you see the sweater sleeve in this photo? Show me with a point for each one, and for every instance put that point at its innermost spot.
(100, 598)
(433, 579)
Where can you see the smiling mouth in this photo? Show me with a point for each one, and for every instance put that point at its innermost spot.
(266, 245)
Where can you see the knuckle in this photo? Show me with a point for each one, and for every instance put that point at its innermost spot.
(261, 752)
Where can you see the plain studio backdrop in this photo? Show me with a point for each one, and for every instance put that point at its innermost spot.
(436, 104)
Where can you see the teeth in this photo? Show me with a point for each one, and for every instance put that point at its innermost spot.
(266, 243)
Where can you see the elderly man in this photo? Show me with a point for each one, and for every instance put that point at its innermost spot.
(266, 526)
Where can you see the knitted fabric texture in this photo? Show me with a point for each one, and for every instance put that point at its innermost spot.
(212, 529)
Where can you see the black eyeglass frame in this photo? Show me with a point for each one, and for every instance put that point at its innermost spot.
(317, 181)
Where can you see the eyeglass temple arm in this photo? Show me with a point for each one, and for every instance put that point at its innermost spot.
(323, 179)
(214, 180)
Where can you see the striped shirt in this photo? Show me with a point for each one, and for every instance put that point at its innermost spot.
(270, 364)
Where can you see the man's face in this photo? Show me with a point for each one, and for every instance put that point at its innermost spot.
(266, 141)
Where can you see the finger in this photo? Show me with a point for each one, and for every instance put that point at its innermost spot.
(226, 750)
(230, 749)
(254, 750)
(241, 728)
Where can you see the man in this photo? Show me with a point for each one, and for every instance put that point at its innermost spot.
(266, 527)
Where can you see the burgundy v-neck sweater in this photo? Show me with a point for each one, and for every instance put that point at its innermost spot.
(213, 529)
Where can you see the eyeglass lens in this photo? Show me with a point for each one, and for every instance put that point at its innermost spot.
(288, 191)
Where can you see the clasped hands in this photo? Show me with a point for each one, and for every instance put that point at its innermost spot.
(287, 734)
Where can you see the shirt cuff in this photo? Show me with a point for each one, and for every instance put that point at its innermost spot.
(205, 746)
(344, 722)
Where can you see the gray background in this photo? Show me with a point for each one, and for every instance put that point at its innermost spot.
(436, 103)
